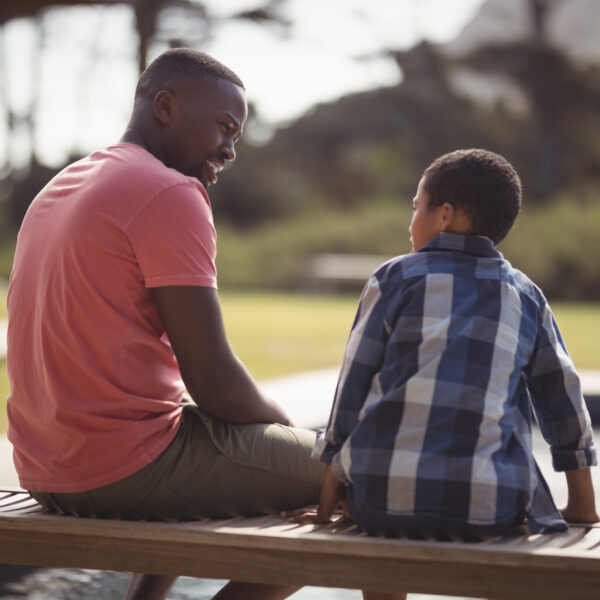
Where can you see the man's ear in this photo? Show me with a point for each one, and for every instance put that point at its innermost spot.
(164, 106)
(447, 216)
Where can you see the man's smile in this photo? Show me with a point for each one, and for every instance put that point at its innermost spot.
(214, 166)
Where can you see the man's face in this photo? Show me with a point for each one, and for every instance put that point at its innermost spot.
(206, 120)
(427, 221)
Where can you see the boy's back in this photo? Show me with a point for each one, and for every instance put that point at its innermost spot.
(444, 345)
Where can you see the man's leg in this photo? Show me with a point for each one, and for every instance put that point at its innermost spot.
(255, 469)
(221, 470)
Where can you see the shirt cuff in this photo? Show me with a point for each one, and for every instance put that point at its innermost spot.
(567, 460)
(323, 450)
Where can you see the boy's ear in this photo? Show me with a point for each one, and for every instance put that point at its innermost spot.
(163, 106)
(454, 220)
(447, 216)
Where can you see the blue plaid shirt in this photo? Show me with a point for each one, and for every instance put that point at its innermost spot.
(450, 348)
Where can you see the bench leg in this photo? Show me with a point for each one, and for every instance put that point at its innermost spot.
(235, 590)
(149, 587)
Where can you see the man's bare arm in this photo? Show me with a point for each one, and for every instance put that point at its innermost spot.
(214, 376)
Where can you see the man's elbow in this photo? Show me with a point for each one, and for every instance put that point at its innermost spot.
(208, 387)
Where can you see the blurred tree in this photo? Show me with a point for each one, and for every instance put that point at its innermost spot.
(563, 121)
(157, 22)
(365, 146)
(563, 99)
(147, 14)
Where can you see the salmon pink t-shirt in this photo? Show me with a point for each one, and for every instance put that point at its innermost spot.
(95, 386)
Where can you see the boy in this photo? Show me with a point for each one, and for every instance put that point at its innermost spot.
(430, 432)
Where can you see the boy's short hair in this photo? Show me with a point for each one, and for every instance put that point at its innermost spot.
(181, 64)
(482, 184)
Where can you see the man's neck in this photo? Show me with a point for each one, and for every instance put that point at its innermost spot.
(134, 135)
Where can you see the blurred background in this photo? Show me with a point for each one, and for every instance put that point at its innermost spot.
(350, 102)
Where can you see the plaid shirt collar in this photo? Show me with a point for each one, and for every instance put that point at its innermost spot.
(477, 245)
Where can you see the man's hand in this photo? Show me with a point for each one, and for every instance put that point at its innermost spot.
(214, 376)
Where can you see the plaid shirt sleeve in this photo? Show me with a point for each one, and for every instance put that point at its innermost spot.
(362, 360)
(556, 396)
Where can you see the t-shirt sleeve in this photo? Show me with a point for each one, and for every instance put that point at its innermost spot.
(174, 239)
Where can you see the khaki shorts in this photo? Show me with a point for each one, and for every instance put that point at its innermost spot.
(211, 469)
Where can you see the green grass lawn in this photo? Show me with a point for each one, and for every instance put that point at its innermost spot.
(2, 302)
(580, 325)
(278, 334)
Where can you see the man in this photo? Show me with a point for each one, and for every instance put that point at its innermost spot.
(113, 312)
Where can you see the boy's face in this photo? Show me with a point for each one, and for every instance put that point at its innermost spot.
(427, 221)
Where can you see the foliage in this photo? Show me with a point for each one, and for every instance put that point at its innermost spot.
(7, 251)
(378, 142)
(340, 178)
(278, 255)
(370, 143)
(556, 245)
(559, 140)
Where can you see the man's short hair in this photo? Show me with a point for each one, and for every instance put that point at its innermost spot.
(482, 184)
(181, 64)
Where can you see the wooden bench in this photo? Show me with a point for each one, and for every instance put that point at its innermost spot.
(341, 272)
(266, 549)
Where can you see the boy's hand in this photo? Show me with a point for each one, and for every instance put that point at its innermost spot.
(332, 497)
(305, 516)
(310, 515)
(581, 505)
(577, 515)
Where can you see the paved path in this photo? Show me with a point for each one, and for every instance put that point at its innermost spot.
(8, 476)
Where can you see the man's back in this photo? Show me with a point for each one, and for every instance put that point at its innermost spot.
(83, 329)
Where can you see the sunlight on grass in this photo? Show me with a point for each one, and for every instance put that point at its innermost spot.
(3, 291)
(579, 324)
(279, 334)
